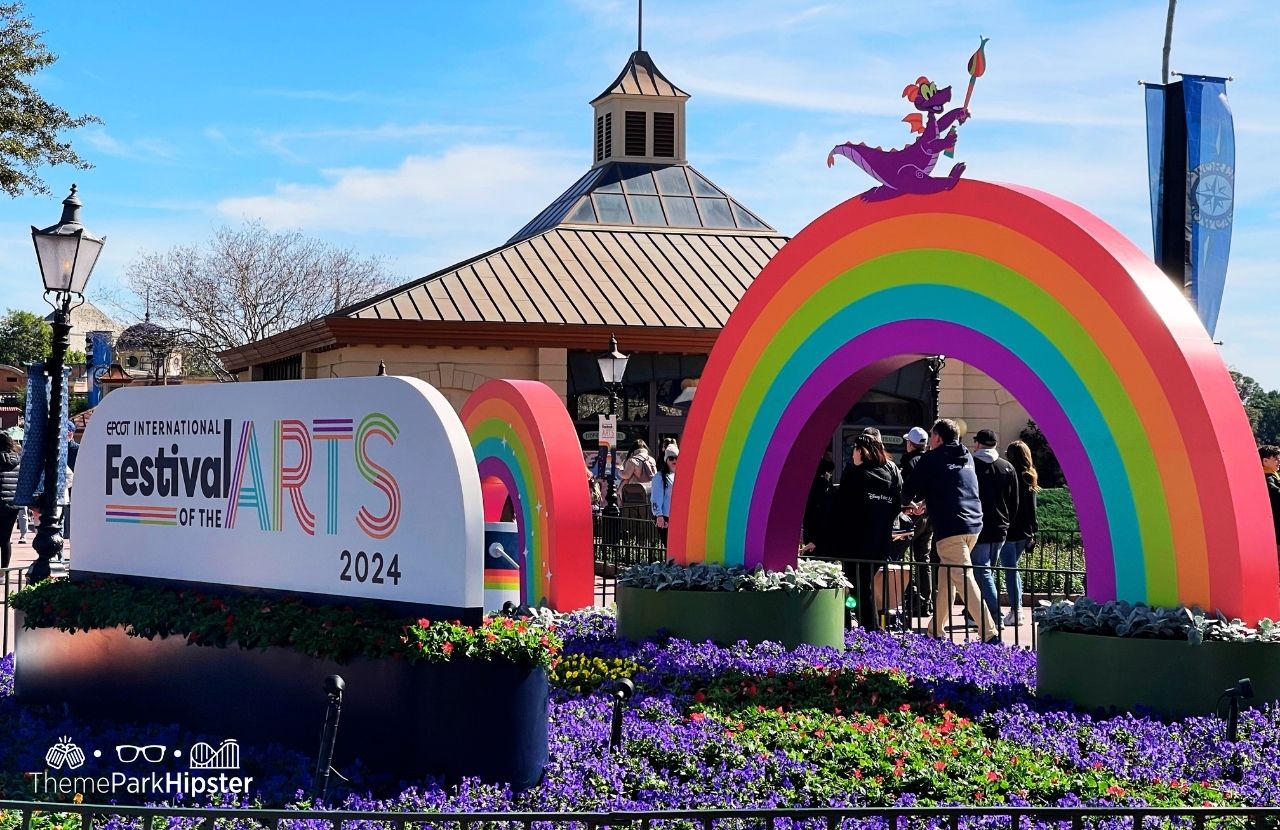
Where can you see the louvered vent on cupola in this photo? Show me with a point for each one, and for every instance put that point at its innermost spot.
(664, 135)
(604, 136)
(636, 125)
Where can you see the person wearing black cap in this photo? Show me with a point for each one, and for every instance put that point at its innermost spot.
(998, 489)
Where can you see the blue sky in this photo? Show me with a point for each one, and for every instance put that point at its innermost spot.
(427, 132)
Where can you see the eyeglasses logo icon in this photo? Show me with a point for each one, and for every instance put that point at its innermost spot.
(151, 753)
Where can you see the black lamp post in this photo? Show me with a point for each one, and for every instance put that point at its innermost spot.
(935, 365)
(66, 253)
(613, 365)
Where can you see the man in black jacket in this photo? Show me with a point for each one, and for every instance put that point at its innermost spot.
(998, 489)
(945, 480)
(1270, 455)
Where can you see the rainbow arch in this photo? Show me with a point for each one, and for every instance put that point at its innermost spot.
(522, 436)
(1067, 314)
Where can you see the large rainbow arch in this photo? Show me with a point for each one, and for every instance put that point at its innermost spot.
(1104, 352)
(521, 435)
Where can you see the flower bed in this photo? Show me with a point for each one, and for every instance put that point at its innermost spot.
(801, 605)
(422, 697)
(1171, 661)
(891, 720)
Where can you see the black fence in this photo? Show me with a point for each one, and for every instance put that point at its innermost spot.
(25, 815)
(947, 600)
(620, 542)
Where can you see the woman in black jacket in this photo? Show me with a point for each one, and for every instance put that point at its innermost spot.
(868, 501)
(9, 459)
(1022, 529)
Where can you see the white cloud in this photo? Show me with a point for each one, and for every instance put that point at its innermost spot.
(140, 149)
(465, 200)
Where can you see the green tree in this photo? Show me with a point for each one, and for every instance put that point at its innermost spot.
(30, 127)
(24, 338)
(1047, 466)
(1261, 407)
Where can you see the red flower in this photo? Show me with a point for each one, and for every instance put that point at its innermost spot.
(447, 648)
(696, 716)
(939, 765)
(507, 622)
(857, 773)
(906, 707)
(1115, 790)
(699, 696)
(491, 636)
(992, 775)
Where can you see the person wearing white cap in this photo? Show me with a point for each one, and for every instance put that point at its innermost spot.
(924, 575)
(660, 494)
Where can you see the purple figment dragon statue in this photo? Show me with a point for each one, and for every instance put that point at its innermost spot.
(907, 170)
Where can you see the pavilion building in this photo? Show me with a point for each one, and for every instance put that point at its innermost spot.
(643, 246)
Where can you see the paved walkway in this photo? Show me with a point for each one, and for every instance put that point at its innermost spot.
(23, 556)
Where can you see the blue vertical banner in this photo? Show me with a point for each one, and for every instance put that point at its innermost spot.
(36, 422)
(101, 355)
(1155, 95)
(1210, 194)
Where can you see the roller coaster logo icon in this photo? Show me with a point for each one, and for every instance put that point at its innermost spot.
(204, 756)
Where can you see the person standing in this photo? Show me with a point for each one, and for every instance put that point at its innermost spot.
(1022, 530)
(867, 503)
(998, 490)
(816, 508)
(9, 460)
(660, 494)
(73, 450)
(1270, 455)
(944, 480)
(924, 573)
(640, 466)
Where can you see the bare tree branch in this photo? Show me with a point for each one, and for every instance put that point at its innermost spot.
(248, 283)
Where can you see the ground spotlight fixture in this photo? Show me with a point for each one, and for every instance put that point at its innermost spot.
(622, 690)
(334, 686)
(1243, 690)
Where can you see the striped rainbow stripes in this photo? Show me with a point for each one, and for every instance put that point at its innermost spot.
(1101, 348)
(522, 436)
(142, 514)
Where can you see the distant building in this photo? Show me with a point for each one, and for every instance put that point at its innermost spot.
(642, 246)
(85, 318)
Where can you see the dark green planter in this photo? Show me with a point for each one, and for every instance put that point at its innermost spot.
(1169, 677)
(725, 617)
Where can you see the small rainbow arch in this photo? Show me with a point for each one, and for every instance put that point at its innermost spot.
(522, 436)
(1062, 310)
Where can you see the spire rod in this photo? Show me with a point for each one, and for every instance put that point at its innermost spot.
(639, 25)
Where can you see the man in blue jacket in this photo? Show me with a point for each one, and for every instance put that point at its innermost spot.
(944, 480)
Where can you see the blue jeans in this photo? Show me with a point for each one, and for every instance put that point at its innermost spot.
(1009, 556)
(984, 558)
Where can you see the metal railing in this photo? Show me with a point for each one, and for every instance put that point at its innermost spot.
(903, 595)
(26, 815)
(620, 542)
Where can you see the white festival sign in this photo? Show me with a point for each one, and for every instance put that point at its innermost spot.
(360, 487)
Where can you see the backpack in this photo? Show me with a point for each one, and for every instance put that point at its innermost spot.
(645, 470)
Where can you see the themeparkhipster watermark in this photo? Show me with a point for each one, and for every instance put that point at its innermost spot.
(210, 771)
